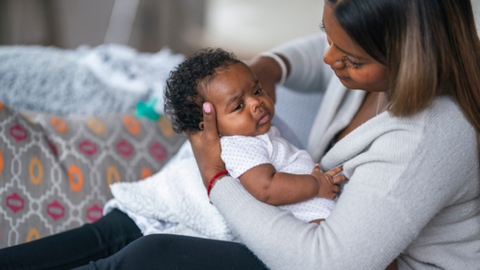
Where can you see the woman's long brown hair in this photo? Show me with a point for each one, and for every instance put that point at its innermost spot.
(431, 47)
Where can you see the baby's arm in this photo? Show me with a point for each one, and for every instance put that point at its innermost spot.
(277, 188)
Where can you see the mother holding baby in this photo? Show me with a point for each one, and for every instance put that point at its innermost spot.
(407, 137)
(408, 140)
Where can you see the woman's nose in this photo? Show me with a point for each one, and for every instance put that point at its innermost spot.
(332, 55)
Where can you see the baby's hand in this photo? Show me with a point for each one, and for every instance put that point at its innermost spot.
(327, 181)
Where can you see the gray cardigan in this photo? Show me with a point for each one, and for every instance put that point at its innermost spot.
(413, 191)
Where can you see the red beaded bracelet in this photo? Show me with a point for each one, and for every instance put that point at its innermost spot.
(213, 179)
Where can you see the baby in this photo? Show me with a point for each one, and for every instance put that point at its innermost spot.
(270, 168)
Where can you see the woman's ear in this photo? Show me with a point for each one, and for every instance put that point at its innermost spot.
(200, 125)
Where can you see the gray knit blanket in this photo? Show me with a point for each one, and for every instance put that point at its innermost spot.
(105, 79)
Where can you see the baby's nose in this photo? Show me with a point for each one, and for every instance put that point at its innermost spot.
(255, 104)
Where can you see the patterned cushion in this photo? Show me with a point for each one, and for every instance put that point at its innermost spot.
(55, 172)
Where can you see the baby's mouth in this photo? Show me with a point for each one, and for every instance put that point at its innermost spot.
(264, 119)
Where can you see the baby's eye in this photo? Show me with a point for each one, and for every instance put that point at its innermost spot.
(258, 91)
(238, 107)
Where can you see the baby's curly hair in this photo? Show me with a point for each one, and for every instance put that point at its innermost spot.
(183, 98)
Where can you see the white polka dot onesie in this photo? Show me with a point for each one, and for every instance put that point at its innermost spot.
(241, 153)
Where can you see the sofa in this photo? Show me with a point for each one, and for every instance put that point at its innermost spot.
(55, 171)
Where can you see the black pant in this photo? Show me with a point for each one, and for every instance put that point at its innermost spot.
(168, 252)
(107, 236)
(75, 247)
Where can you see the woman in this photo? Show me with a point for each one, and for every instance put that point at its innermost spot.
(411, 175)
(414, 193)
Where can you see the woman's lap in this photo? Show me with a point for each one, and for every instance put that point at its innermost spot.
(163, 251)
(115, 242)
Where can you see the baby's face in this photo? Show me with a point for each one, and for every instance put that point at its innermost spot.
(242, 107)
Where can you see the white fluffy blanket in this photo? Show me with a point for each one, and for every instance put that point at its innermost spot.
(175, 199)
(176, 195)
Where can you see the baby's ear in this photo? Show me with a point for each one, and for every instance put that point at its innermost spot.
(200, 125)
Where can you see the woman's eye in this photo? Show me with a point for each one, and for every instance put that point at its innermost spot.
(351, 64)
(238, 107)
(258, 91)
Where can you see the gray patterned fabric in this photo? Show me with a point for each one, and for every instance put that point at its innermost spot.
(55, 172)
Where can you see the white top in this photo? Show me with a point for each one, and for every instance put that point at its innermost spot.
(413, 191)
(242, 153)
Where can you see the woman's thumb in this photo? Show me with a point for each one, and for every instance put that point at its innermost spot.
(209, 120)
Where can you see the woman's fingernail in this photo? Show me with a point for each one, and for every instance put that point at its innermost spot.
(206, 108)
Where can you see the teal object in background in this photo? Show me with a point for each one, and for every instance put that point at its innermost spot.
(148, 109)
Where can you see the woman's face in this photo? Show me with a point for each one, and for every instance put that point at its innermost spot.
(352, 65)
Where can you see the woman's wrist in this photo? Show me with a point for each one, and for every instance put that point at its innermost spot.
(280, 63)
(213, 179)
(211, 172)
(218, 179)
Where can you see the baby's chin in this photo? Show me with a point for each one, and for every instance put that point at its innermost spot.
(260, 131)
(263, 129)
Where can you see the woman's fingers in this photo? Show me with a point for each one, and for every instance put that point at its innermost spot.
(195, 139)
(268, 72)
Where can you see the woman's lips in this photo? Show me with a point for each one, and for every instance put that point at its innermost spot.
(264, 119)
(340, 76)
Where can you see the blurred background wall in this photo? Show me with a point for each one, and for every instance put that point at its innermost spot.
(146, 25)
(245, 27)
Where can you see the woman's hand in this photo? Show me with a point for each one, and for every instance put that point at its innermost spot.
(268, 72)
(206, 145)
(327, 182)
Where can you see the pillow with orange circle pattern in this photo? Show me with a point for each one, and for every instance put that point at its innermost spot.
(55, 171)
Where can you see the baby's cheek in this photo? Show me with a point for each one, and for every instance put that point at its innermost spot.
(229, 126)
(221, 127)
